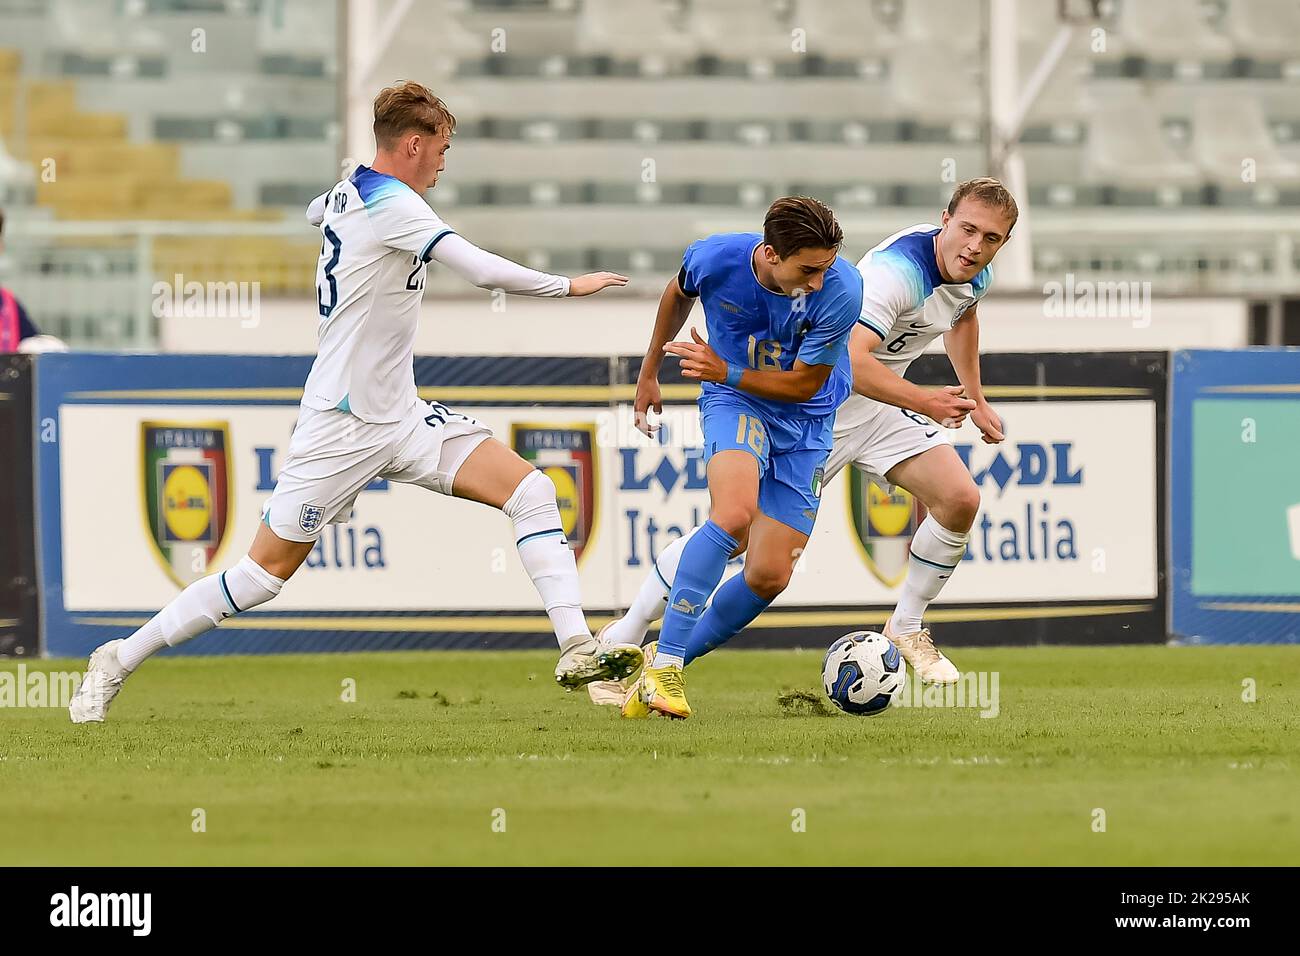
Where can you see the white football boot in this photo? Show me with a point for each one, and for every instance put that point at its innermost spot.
(104, 676)
(583, 660)
(612, 693)
(926, 660)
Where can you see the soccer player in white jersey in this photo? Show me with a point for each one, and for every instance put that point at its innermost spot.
(361, 417)
(921, 282)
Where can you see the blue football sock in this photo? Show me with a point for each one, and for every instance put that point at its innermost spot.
(733, 607)
(704, 559)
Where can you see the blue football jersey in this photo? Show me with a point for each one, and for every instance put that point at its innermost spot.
(760, 329)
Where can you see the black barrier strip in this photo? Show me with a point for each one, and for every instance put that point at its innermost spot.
(18, 590)
(1223, 906)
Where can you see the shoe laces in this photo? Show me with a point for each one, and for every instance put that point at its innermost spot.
(670, 681)
(924, 646)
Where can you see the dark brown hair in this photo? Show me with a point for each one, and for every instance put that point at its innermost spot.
(988, 191)
(800, 222)
(409, 107)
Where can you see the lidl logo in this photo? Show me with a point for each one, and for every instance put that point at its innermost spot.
(567, 455)
(885, 521)
(186, 481)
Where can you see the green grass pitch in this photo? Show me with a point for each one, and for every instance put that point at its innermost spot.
(416, 770)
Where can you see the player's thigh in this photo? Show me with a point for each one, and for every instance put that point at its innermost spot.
(733, 490)
(737, 446)
(277, 556)
(943, 484)
(332, 456)
(490, 474)
(454, 454)
(774, 549)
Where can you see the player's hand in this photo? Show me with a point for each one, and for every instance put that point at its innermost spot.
(647, 397)
(988, 422)
(593, 282)
(949, 406)
(699, 362)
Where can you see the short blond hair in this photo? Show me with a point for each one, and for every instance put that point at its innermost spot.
(409, 107)
(987, 190)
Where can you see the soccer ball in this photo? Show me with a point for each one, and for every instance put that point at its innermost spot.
(863, 673)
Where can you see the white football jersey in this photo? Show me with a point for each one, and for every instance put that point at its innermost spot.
(907, 303)
(379, 236)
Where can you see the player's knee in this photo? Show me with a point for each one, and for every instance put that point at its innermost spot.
(734, 517)
(960, 507)
(535, 492)
(767, 580)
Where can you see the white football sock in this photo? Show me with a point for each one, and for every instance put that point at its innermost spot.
(652, 600)
(544, 550)
(936, 552)
(199, 608)
(668, 660)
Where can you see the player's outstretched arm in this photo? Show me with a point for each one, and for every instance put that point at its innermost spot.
(490, 271)
(876, 381)
(592, 282)
(962, 343)
(701, 363)
(674, 307)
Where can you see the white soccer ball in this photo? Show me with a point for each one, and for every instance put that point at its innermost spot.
(863, 673)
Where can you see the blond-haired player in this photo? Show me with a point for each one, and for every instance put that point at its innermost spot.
(361, 417)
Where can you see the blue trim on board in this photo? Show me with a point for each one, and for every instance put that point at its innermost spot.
(1193, 373)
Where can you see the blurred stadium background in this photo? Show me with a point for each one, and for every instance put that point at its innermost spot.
(1148, 141)
(134, 149)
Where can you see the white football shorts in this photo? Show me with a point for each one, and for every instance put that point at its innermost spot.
(333, 455)
(874, 437)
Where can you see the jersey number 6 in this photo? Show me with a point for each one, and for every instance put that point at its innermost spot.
(900, 343)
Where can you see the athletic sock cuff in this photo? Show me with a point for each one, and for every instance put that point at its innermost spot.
(946, 535)
(719, 537)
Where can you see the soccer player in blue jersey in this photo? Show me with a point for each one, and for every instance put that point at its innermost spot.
(779, 308)
(923, 282)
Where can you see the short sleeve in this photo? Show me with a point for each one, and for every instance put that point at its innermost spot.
(316, 209)
(887, 292)
(828, 339)
(405, 222)
(692, 270)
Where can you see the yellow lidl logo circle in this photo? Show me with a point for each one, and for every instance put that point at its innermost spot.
(566, 495)
(187, 503)
(889, 514)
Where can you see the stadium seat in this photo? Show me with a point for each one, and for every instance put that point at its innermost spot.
(934, 83)
(1127, 147)
(639, 29)
(1265, 29)
(741, 30)
(1171, 30)
(954, 25)
(844, 29)
(428, 43)
(1229, 131)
